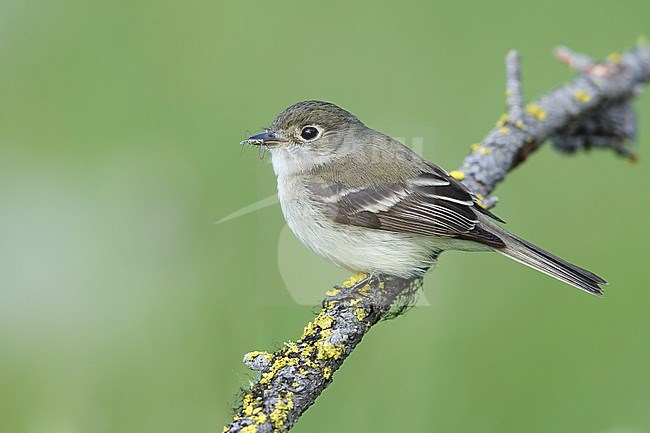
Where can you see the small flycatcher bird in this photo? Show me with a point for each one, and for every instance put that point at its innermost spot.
(365, 202)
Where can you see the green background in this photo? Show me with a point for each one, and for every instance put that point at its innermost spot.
(125, 308)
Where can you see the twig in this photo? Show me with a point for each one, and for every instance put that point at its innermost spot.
(294, 376)
(564, 115)
(577, 61)
(513, 87)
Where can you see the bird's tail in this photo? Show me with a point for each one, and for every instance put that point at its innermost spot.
(543, 261)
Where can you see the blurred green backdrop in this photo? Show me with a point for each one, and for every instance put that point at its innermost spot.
(125, 308)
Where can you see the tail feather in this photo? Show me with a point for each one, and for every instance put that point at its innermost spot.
(543, 261)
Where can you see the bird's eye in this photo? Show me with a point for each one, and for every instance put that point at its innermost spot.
(309, 133)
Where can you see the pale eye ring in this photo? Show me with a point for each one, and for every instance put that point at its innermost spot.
(310, 133)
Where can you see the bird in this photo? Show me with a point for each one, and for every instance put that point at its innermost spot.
(365, 202)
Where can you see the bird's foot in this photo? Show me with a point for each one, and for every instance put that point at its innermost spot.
(355, 286)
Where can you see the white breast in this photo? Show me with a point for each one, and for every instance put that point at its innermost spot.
(355, 248)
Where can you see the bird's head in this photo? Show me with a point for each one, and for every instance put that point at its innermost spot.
(308, 134)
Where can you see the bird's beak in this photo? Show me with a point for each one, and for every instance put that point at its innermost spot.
(267, 138)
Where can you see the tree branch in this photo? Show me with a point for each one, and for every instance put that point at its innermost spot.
(594, 110)
(514, 94)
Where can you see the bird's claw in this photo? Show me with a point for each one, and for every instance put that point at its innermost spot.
(341, 293)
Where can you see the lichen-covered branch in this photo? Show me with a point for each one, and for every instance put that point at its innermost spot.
(594, 110)
(292, 377)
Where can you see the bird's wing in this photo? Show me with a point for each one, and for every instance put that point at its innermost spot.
(430, 204)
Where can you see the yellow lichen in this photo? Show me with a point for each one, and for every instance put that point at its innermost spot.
(280, 363)
(474, 147)
(457, 174)
(504, 130)
(254, 413)
(266, 377)
(327, 372)
(249, 429)
(354, 279)
(247, 405)
(615, 57)
(291, 347)
(307, 351)
(333, 292)
(521, 125)
(502, 120)
(323, 321)
(250, 356)
(280, 414)
(487, 150)
(365, 290)
(582, 96)
(330, 351)
(259, 418)
(537, 111)
(359, 312)
(309, 330)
